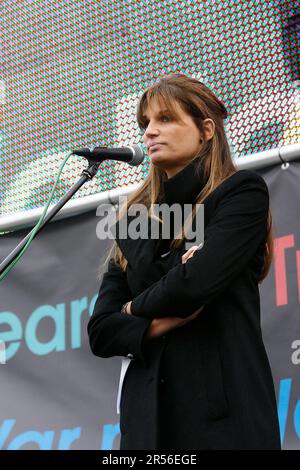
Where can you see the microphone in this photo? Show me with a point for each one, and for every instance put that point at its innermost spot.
(134, 155)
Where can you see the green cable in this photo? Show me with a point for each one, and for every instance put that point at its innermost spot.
(12, 264)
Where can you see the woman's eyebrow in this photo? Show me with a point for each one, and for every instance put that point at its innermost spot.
(160, 112)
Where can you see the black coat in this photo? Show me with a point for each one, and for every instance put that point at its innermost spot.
(208, 384)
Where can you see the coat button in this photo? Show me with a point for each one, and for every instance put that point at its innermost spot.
(163, 336)
(162, 381)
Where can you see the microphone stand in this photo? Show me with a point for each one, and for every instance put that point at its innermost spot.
(87, 174)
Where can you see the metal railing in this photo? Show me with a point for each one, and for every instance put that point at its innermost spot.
(29, 218)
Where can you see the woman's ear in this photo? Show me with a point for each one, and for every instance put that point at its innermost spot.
(208, 128)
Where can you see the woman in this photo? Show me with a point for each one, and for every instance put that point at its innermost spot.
(199, 377)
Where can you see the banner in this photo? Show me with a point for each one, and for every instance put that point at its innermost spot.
(55, 393)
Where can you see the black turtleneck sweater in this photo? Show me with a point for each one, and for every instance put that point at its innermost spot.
(182, 188)
(185, 186)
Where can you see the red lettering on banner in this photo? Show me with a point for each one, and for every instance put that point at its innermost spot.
(280, 245)
(298, 271)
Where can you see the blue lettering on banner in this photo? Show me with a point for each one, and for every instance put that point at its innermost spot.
(13, 334)
(110, 431)
(43, 440)
(284, 397)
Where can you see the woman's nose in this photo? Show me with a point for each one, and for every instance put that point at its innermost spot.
(151, 129)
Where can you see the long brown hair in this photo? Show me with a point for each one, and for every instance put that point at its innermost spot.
(199, 101)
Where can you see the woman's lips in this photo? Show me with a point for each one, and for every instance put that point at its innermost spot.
(154, 147)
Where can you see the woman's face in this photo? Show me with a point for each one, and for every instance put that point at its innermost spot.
(179, 142)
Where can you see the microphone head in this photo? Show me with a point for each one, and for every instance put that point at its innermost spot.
(83, 152)
(138, 155)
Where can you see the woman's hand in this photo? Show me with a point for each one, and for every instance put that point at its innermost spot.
(128, 309)
(190, 252)
(160, 326)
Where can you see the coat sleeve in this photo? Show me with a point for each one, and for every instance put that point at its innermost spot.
(238, 226)
(112, 333)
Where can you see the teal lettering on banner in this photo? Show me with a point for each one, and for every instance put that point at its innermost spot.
(12, 330)
(13, 335)
(57, 343)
